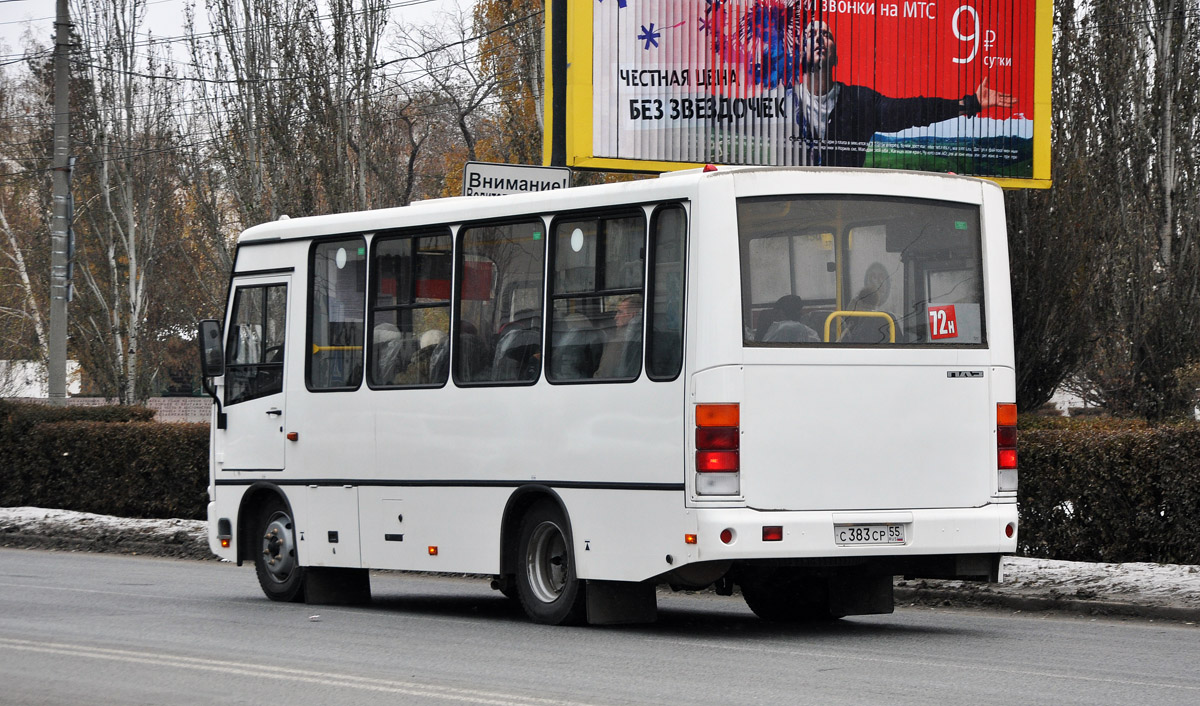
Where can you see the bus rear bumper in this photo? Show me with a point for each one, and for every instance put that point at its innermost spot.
(906, 541)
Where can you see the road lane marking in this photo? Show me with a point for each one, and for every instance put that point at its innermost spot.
(390, 686)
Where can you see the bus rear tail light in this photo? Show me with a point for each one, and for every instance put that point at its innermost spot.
(718, 435)
(1006, 446)
(716, 461)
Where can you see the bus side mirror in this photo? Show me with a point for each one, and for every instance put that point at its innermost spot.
(212, 354)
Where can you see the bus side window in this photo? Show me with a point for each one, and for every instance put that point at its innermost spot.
(410, 310)
(254, 351)
(498, 331)
(337, 293)
(664, 347)
(596, 298)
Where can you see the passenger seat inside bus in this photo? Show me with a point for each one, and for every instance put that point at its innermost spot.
(516, 356)
(576, 352)
(389, 349)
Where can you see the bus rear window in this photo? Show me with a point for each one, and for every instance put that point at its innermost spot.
(860, 271)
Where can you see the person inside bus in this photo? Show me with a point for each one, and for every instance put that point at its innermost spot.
(783, 323)
(623, 351)
(872, 296)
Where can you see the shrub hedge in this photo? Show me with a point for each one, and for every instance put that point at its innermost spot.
(1091, 490)
(106, 460)
(1110, 490)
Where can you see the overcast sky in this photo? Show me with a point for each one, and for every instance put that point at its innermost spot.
(164, 18)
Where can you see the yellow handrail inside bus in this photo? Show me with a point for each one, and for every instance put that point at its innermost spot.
(318, 349)
(868, 314)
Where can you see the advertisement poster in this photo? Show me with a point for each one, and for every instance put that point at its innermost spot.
(946, 85)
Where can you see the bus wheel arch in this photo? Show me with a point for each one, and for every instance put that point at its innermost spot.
(267, 537)
(538, 562)
(247, 515)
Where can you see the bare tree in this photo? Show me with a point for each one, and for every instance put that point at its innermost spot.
(132, 143)
(24, 283)
(448, 57)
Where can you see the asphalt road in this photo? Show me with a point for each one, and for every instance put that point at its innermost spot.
(106, 629)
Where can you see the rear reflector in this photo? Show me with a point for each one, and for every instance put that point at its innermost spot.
(716, 437)
(772, 533)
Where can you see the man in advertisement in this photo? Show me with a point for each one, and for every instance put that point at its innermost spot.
(833, 122)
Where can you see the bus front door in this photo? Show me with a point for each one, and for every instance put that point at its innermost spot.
(254, 438)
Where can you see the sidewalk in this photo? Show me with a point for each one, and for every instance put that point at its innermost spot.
(1156, 591)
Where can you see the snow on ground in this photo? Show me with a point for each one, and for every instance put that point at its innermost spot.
(64, 529)
(1161, 585)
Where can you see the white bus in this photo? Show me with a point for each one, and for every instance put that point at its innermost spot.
(796, 382)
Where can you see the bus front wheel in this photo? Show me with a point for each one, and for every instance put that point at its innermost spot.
(547, 586)
(274, 544)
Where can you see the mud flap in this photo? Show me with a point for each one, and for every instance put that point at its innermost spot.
(328, 586)
(860, 595)
(621, 602)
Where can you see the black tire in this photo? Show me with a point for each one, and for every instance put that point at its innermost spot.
(782, 597)
(547, 586)
(274, 546)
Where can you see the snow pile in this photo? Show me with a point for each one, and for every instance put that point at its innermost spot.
(64, 529)
(1142, 583)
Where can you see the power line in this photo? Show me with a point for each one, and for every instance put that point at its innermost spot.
(38, 117)
(219, 135)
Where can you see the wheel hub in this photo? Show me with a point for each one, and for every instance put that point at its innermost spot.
(279, 554)
(547, 562)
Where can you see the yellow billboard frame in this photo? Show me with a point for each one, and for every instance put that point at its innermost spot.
(577, 105)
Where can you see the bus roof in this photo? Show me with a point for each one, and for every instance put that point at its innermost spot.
(457, 209)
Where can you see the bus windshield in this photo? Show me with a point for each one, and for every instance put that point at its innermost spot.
(860, 271)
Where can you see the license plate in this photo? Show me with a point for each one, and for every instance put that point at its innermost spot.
(853, 535)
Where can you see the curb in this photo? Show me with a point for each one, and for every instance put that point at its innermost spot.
(1043, 603)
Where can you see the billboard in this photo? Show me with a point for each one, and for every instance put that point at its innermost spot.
(941, 85)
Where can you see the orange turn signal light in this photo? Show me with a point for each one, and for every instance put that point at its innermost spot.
(433, 551)
(717, 415)
(1006, 415)
(689, 539)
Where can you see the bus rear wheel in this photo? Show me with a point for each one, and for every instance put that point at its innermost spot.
(547, 586)
(275, 562)
(783, 597)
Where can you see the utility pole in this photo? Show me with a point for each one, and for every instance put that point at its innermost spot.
(60, 224)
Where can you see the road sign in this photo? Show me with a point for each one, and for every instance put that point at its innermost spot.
(491, 179)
